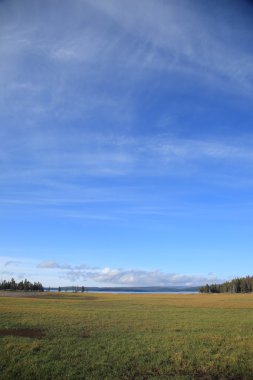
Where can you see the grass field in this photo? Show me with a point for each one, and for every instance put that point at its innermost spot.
(111, 336)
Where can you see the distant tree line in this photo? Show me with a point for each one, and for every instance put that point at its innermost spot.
(22, 285)
(237, 285)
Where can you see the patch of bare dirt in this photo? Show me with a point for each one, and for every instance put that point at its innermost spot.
(19, 294)
(85, 334)
(23, 332)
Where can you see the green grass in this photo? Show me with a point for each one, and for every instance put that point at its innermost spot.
(128, 337)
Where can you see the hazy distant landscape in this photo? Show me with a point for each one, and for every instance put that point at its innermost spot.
(133, 289)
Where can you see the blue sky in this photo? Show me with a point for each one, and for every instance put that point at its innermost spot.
(126, 141)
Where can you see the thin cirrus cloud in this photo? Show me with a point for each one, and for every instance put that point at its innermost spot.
(80, 68)
(114, 158)
(158, 157)
(171, 37)
(52, 265)
(109, 39)
(49, 264)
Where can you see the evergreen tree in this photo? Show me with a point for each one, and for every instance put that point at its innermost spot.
(237, 285)
(22, 285)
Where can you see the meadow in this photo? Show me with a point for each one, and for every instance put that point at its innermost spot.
(126, 336)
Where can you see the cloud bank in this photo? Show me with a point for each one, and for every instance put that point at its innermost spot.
(125, 277)
(53, 273)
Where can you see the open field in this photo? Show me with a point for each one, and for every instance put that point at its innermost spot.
(137, 336)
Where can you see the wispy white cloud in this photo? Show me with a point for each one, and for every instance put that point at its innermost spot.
(90, 72)
(17, 267)
(184, 37)
(85, 178)
(52, 265)
(12, 263)
(112, 48)
(102, 156)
